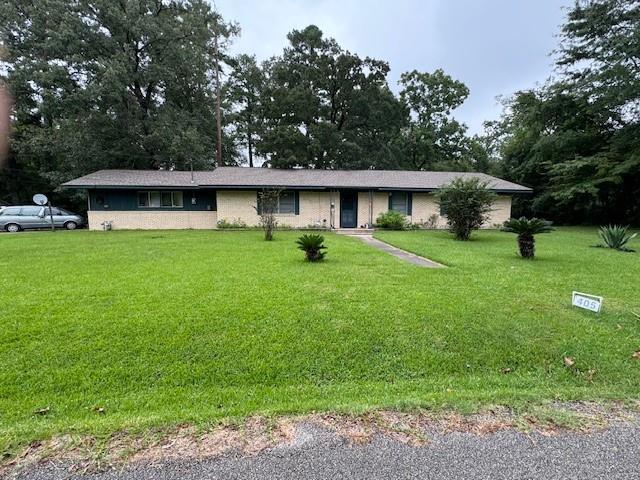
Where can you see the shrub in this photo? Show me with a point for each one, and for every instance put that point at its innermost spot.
(430, 223)
(616, 237)
(312, 246)
(266, 208)
(234, 223)
(391, 221)
(466, 203)
(526, 229)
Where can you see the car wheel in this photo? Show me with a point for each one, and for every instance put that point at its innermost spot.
(71, 225)
(13, 228)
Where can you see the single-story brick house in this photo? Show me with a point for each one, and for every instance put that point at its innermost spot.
(150, 199)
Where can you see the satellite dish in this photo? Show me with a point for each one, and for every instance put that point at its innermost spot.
(40, 199)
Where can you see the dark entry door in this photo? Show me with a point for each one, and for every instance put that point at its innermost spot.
(348, 209)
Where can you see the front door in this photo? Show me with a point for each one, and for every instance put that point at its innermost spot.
(349, 209)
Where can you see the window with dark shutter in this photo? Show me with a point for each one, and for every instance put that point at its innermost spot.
(399, 202)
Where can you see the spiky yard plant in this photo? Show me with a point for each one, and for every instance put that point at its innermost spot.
(527, 229)
(312, 245)
(616, 237)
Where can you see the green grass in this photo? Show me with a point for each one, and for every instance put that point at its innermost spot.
(159, 328)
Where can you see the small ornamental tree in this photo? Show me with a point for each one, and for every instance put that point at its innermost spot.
(466, 203)
(267, 208)
(526, 229)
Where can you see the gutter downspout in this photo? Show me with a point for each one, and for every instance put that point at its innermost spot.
(370, 208)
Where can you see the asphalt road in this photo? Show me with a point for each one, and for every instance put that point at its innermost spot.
(319, 454)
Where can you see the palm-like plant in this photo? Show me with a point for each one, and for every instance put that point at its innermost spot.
(312, 246)
(616, 236)
(526, 229)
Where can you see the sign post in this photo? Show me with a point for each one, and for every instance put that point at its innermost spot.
(586, 301)
(42, 200)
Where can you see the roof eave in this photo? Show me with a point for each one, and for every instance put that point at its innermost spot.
(132, 187)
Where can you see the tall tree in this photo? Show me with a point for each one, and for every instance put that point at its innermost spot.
(104, 84)
(245, 88)
(434, 140)
(323, 104)
(576, 140)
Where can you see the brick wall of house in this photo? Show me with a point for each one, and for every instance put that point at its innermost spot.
(236, 205)
(501, 212)
(380, 201)
(315, 210)
(425, 205)
(153, 219)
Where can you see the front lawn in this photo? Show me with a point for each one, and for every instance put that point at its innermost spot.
(132, 329)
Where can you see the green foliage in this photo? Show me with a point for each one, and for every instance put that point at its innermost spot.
(575, 140)
(266, 209)
(234, 223)
(616, 237)
(245, 86)
(526, 229)
(106, 84)
(325, 107)
(392, 220)
(434, 140)
(312, 245)
(467, 204)
(527, 226)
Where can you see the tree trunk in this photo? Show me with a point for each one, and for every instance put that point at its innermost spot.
(250, 147)
(527, 245)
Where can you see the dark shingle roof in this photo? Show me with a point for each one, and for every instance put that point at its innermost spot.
(242, 177)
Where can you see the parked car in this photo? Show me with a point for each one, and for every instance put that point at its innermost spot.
(14, 219)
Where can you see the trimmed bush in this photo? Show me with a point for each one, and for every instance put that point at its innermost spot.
(234, 223)
(391, 221)
(466, 204)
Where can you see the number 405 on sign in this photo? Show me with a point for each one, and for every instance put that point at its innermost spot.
(586, 301)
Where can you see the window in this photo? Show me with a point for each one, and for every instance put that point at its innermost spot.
(11, 211)
(30, 211)
(160, 199)
(287, 202)
(400, 202)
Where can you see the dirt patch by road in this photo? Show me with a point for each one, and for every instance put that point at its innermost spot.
(257, 434)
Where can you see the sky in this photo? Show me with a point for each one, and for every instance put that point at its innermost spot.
(496, 47)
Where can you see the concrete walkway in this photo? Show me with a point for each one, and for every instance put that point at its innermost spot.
(398, 253)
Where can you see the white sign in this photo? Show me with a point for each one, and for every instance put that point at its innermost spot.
(586, 301)
(40, 199)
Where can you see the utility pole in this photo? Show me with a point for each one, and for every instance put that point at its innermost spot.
(218, 116)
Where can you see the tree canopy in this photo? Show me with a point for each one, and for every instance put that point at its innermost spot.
(576, 140)
(103, 84)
